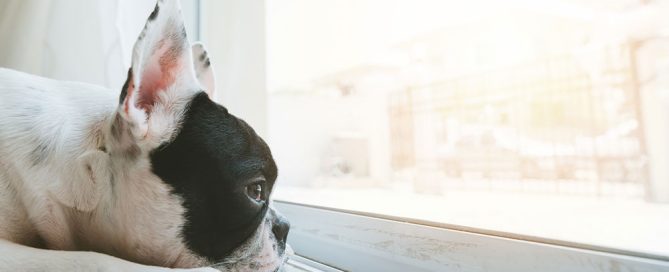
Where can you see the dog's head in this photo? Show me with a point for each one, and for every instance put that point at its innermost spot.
(214, 163)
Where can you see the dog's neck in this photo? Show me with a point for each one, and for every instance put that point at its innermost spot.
(112, 204)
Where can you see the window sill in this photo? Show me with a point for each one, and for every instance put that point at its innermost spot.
(562, 219)
(297, 263)
(363, 243)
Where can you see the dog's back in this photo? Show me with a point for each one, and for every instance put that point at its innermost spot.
(44, 126)
(39, 116)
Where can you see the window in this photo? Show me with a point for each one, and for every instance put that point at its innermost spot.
(537, 121)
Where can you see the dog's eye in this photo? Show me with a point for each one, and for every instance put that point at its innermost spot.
(256, 191)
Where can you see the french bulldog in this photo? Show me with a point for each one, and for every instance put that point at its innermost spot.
(159, 177)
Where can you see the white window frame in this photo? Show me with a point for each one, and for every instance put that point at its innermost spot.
(357, 241)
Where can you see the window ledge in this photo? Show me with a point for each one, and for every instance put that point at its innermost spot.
(363, 243)
(297, 263)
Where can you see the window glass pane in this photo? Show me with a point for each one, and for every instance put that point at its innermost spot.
(539, 118)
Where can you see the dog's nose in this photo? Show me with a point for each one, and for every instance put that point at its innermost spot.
(280, 228)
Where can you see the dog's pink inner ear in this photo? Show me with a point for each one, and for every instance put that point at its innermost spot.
(158, 74)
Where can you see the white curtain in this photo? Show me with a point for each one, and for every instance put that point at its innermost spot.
(80, 40)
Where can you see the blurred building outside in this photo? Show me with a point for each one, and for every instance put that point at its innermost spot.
(564, 110)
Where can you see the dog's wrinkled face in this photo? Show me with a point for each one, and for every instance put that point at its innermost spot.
(216, 167)
(224, 173)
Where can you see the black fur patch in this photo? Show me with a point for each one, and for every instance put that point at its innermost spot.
(154, 13)
(209, 164)
(124, 90)
(184, 35)
(204, 58)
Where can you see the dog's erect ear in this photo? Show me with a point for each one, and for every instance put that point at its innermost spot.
(203, 69)
(162, 75)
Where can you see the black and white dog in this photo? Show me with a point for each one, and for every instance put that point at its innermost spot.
(160, 177)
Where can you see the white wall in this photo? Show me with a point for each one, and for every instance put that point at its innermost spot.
(79, 40)
(234, 33)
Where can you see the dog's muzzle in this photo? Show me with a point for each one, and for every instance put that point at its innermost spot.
(280, 226)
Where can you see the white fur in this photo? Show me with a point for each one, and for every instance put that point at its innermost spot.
(68, 199)
(258, 253)
(75, 172)
(203, 68)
